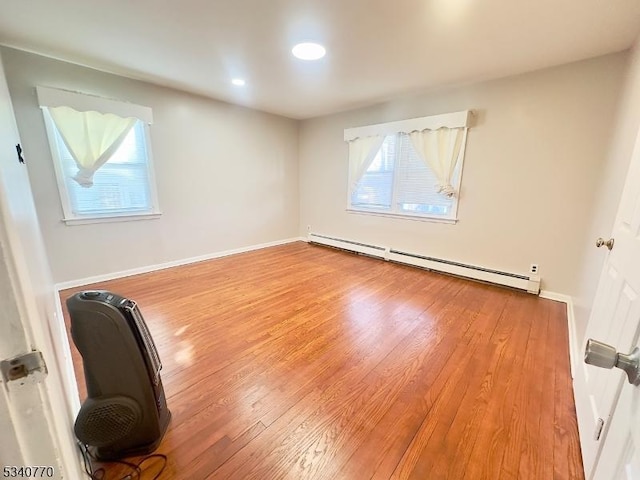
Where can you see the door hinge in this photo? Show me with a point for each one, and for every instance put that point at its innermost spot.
(30, 364)
(598, 432)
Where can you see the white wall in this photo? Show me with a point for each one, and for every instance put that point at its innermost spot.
(227, 176)
(612, 177)
(535, 159)
(533, 162)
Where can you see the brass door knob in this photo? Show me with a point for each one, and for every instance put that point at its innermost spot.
(607, 243)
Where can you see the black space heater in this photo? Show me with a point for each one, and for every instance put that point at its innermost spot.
(125, 412)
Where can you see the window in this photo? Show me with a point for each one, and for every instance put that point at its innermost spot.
(398, 181)
(110, 176)
(410, 172)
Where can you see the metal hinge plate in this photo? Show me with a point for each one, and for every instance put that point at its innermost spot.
(29, 366)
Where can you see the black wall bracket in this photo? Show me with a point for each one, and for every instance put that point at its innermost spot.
(19, 150)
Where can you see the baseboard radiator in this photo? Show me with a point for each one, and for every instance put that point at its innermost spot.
(529, 283)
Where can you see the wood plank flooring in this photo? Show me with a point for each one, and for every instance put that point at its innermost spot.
(302, 362)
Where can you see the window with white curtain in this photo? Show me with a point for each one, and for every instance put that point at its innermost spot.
(411, 168)
(101, 155)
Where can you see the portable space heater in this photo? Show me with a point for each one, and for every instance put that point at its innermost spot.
(125, 412)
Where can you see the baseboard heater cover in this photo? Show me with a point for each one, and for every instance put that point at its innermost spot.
(530, 283)
(358, 247)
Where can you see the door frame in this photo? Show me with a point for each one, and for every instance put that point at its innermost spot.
(35, 297)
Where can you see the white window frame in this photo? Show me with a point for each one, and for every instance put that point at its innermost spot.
(52, 97)
(460, 119)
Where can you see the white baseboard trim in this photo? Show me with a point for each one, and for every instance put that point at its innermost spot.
(571, 324)
(558, 297)
(175, 263)
(574, 354)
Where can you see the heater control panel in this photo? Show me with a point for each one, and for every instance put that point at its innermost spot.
(101, 295)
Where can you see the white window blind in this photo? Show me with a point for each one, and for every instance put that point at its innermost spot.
(398, 182)
(120, 186)
(375, 188)
(417, 193)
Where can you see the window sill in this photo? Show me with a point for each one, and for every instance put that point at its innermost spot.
(111, 218)
(419, 218)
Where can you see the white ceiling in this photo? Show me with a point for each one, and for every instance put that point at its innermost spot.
(377, 49)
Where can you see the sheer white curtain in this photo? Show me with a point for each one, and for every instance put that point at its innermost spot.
(440, 150)
(91, 138)
(362, 151)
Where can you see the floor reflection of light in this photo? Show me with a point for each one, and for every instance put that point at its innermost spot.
(181, 330)
(365, 308)
(185, 354)
(370, 318)
(358, 306)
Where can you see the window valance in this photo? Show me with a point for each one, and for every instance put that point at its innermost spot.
(82, 102)
(433, 122)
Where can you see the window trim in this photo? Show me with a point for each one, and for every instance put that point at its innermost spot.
(111, 218)
(52, 97)
(460, 119)
(404, 216)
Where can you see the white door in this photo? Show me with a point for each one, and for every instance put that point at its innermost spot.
(620, 458)
(615, 320)
(36, 411)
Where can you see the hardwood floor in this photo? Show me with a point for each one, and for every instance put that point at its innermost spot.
(300, 362)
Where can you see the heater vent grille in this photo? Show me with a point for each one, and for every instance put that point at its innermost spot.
(154, 358)
(105, 421)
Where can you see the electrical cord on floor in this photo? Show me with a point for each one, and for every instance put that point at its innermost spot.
(136, 468)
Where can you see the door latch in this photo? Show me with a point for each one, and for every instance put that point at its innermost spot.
(20, 367)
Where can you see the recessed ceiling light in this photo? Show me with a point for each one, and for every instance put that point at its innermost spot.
(308, 51)
(239, 82)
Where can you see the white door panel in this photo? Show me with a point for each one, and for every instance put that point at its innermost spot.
(615, 320)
